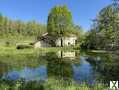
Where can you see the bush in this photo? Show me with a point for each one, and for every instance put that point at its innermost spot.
(77, 47)
(23, 46)
(7, 43)
(32, 43)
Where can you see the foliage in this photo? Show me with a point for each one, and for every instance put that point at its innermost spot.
(59, 21)
(106, 27)
(90, 40)
(17, 28)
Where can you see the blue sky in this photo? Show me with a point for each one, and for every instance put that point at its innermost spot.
(83, 11)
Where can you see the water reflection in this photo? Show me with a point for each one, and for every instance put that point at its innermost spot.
(86, 67)
(58, 67)
(106, 67)
(3, 68)
(66, 54)
(39, 73)
(83, 72)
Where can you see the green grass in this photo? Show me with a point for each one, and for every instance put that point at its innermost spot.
(13, 40)
(50, 84)
(12, 50)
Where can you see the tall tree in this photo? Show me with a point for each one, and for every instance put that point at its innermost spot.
(59, 21)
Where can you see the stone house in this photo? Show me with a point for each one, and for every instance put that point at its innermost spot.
(48, 41)
(67, 41)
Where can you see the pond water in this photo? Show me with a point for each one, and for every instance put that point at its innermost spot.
(68, 65)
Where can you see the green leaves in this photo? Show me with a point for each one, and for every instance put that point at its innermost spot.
(106, 26)
(59, 20)
(17, 27)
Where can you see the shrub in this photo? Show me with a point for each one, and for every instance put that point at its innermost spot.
(77, 47)
(32, 43)
(7, 43)
(23, 46)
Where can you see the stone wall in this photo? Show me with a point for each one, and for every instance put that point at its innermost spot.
(67, 41)
(40, 44)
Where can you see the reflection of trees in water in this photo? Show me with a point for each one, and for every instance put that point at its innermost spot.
(107, 68)
(21, 61)
(110, 68)
(4, 68)
(58, 67)
(110, 72)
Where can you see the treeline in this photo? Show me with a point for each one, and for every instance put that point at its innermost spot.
(17, 27)
(104, 33)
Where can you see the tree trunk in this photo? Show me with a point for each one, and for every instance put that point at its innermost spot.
(61, 42)
(61, 54)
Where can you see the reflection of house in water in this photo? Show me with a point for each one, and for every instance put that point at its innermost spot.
(58, 67)
(67, 54)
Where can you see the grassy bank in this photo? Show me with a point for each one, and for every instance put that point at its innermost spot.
(11, 55)
(50, 84)
(105, 51)
(12, 50)
(13, 40)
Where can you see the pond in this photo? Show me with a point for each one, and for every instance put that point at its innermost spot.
(78, 66)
